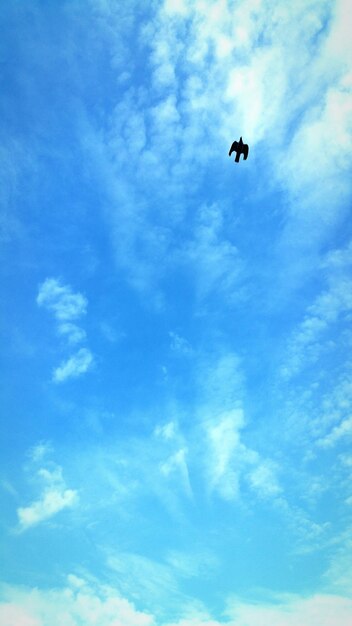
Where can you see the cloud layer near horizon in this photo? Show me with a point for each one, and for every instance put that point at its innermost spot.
(84, 603)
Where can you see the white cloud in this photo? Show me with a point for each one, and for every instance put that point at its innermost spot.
(166, 431)
(220, 380)
(317, 610)
(14, 615)
(332, 305)
(224, 443)
(60, 299)
(229, 460)
(74, 333)
(67, 306)
(177, 464)
(88, 605)
(214, 259)
(192, 563)
(150, 581)
(91, 604)
(7, 486)
(40, 451)
(343, 430)
(339, 572)
(263, 479)
(74, 366)
(54, 498)
(51, 502)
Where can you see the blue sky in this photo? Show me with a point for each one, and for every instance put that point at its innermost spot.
(176, 340)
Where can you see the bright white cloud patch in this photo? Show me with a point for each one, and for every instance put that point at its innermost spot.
(50, 503)
(80, 604)
(54, 498)
(83, 603)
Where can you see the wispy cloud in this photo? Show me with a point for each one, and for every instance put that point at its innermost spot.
(279, 76)
(147, 578)
(67, 307)
(214, 260)
(177, 464)
(225, 449)
(229, 460)
(174, 84)
(342, 431)
(179, 344)
(331, 306)
(74, 333)
(60, 299)
(338, 575)
(40, 451)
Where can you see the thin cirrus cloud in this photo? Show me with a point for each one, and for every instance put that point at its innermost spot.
(330, 309)
(67, 307)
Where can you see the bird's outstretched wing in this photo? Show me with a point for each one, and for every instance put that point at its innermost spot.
(245, 150)
(233, 147)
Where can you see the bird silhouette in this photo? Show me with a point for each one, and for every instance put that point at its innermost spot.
(240, 148)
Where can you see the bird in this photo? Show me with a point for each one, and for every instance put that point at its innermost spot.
(240, 148)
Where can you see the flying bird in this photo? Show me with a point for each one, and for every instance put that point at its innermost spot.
(240, 148)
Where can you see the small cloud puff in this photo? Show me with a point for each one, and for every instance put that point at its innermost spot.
(75, 366)
(60, 299)
(166, 431)
(179, 345)
(74, 333)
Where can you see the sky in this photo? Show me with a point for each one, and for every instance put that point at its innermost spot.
(176, 342)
